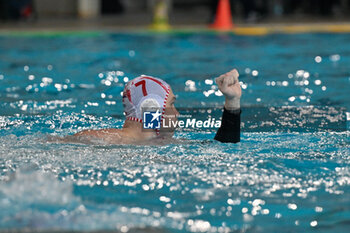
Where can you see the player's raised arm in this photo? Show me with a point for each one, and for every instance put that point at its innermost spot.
(231, 118)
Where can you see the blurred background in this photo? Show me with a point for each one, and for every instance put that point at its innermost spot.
(139, 12)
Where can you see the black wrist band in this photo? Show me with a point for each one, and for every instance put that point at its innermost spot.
(236, 111)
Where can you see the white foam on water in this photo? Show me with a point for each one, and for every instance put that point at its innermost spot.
(51, 194)
(37, 187)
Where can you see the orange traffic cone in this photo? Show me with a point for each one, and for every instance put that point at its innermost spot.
(223, 18)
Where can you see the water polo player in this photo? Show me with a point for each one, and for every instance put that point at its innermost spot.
(151, 93)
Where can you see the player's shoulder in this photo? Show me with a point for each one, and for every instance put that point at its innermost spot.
(99, 132)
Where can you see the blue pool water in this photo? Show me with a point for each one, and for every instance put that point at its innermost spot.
(290, 173)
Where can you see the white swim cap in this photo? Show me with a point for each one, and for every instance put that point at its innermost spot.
(144, 92)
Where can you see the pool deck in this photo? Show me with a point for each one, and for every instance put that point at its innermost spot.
(142, 23)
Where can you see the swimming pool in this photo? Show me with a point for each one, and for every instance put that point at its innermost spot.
(289, 173)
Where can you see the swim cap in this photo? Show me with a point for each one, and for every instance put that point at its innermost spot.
(144, 92)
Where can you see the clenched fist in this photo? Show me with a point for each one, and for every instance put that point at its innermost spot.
(229, 86)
